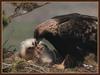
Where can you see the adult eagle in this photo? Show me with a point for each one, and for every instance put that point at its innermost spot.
(73, 35)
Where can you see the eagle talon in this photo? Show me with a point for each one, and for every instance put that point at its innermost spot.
(59, 66)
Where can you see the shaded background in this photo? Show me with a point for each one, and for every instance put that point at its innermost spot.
(22, 27)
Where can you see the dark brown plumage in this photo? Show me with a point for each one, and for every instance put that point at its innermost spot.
(74, 36)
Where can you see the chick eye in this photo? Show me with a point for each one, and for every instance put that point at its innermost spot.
(34, 43)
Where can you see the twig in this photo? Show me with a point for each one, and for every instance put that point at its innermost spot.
(5, 65)
(31, 69)
(39, 67)
(5, 42)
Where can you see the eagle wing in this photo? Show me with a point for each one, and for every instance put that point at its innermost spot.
(76, 25)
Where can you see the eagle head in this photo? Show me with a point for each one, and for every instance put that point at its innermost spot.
(46, 29)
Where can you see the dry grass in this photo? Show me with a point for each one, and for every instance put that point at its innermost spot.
(15, 64)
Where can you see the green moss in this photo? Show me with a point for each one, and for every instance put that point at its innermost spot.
(5, 21)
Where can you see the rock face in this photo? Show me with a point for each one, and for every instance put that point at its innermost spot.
(73, 35)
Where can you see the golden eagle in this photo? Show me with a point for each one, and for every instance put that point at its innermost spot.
(74, 36)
